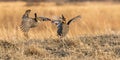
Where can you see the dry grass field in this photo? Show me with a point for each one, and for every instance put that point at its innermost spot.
(95, 36)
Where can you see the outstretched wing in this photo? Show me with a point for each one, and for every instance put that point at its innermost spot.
(25, 25)
(25, 28)
(75, 18)
(26, 14)
(43, 19)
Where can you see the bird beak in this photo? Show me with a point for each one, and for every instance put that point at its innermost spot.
(54, 23)
(64, 21)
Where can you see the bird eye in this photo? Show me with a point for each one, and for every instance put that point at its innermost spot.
(56, 23)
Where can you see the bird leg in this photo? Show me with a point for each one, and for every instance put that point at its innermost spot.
(26, 35)
(62, 41)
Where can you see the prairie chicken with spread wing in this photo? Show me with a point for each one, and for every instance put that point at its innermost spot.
(62, 26)
(28, 22)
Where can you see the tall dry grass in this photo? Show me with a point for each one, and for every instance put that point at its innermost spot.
(95, 19)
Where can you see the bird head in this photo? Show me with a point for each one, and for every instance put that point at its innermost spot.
(56, 22)
(28, 11)
(63, 19)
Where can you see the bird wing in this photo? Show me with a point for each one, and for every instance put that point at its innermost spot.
(65, 29)
(25, 25)
(60, 29)
(75, 18)
(43, 19)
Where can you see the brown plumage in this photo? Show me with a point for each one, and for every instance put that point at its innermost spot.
(62, 26)
(28, 22)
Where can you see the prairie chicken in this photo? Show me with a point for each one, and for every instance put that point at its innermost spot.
(62, 26)
(28, 22)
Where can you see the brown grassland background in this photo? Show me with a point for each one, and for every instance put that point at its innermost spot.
(95, 36)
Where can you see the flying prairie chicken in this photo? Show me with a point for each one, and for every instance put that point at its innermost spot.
(63, 26)
(28, 22)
